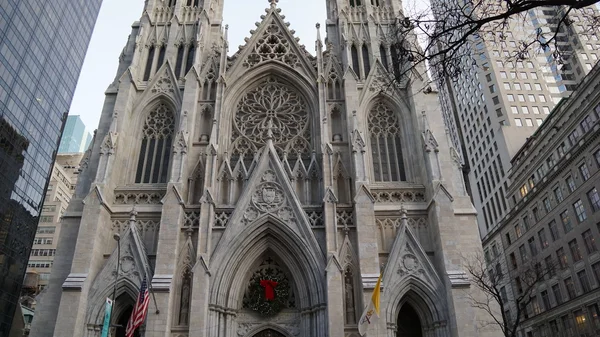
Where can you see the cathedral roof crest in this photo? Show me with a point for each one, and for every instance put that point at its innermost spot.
(273, 41)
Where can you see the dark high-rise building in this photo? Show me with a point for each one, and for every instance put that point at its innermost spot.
(42, 47)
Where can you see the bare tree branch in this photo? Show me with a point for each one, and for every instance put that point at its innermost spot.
(440, 41)
(495, 300)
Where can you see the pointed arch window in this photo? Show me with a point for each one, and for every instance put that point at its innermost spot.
(190, 59)
(366, 60)
(384, 130)
(395, 62)
(384, 58)
(172, 3)
(149, 63)
(355, 64)
(179, 61)
(161, 56)
(157, 136)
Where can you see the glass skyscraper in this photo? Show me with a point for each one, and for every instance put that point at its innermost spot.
(42, 47)
(75, 137)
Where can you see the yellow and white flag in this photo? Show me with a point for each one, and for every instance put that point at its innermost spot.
(371, 314)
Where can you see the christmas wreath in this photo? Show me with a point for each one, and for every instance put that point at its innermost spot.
(268, 292)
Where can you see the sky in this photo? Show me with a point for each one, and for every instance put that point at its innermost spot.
(114, 26)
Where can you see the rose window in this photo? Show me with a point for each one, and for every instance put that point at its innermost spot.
(271, 110)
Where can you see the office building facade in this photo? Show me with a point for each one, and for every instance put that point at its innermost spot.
(498, 101)
(554, 220)
(75, 137)
(42, 47)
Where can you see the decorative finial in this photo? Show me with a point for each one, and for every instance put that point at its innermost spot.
(403, 212)
(133, 214)
(273, 3)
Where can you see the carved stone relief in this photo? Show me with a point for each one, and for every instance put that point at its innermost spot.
(268, 198)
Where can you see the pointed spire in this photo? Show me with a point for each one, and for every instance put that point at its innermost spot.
(273, 3)
(319, 41)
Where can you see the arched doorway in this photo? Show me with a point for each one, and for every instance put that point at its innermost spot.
(269, 333)
(122, 323)
(409, 324)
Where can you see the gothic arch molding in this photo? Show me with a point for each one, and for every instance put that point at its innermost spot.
(97, 298)
(267, 326)
(429, 306)
(235, 258)
(141, 111)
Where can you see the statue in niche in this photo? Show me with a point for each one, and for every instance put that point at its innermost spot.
(349, 296)
(184, 306)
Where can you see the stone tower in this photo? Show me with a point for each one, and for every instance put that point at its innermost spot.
(263, 193)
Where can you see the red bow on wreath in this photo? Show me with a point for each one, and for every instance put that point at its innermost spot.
(269, 286)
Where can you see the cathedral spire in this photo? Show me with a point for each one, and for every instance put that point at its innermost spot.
(273, 3)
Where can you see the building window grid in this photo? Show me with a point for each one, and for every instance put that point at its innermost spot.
(562, 258)
(585, 173)
(543, 240)
(554, 230)
(571, 184)
(566, 221)
(558, 194)
(580, 211)
(557, 294)
(575, 251)
(594, 199)
(596, 270)
(570, 286)
(589, 241)
(532, 246)
(584, 281)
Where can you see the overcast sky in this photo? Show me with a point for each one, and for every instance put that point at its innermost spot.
(114, 25)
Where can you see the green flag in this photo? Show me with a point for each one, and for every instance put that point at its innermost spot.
(107, 312)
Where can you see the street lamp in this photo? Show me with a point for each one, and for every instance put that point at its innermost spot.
(117, 238)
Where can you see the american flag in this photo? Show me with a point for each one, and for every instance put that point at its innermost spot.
(139, 312)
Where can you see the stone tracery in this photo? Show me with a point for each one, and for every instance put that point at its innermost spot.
(272, 107)
(272, 45)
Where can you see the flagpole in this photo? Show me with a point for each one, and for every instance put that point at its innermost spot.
(153, 297)
(117, 238)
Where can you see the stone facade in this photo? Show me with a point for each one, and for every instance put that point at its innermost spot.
(554, 221)
(221, 172)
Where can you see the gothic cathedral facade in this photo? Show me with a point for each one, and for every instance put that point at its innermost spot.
(262, 194)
